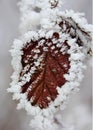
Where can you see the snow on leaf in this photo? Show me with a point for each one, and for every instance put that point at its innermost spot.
(49, 69)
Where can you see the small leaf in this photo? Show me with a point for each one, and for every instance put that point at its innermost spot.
(46, 64)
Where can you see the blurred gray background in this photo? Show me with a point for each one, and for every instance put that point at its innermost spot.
(78, 111)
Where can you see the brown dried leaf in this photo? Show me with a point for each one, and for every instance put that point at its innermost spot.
(48, 75)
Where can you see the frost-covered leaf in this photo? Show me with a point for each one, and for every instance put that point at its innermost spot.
(46, 62)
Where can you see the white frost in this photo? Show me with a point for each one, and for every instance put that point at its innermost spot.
(37, 21)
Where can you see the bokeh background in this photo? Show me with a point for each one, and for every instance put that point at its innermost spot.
(79, 108)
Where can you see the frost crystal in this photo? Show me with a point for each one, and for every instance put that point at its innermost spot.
(48, 62)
